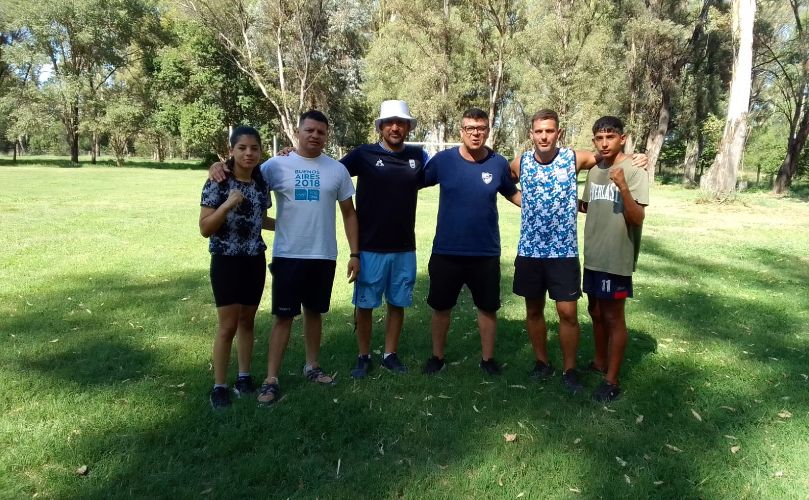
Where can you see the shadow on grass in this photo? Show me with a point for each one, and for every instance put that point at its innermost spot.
(386, 436)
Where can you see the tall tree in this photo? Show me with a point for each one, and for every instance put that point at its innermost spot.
(702, 85)
(719, 182)
(423, 54)
(497, 23)
(562, 64)
(282, 45)
(786, 62)
(86, 42)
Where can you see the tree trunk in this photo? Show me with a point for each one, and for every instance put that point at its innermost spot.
(789, 167)
(693, 150)
(654, 141)
(94, 148)
(795, 144)
(14, 158)
(719, 182)
(72, 130)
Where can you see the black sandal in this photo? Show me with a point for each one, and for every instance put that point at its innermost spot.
(269, 393)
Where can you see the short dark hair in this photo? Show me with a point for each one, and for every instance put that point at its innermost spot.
(241, 130)
(545, 114)
(476, 114)
(608, 124)
(315, 115)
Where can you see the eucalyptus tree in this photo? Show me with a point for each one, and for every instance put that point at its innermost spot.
(570, 61)
(282, 45)
(665, 44)
(425, 53)
(719, 182)
(498, 24)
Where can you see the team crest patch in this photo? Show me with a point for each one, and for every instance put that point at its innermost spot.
(379, 163)
(487, 177)
(412, 163)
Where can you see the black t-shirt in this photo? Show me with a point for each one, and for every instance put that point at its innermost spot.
(387, 191)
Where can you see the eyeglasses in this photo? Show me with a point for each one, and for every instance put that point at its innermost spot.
(471, 130)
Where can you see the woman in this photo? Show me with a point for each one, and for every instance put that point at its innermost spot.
(232, 214)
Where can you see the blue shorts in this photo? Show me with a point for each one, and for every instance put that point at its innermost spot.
(393, 274)
(607, 286)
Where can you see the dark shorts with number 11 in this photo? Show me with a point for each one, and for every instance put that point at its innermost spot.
(606, 285)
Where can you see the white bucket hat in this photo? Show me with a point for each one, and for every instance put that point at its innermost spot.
(394, 109)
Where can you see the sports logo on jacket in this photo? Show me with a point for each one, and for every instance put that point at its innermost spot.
(379, 163)
(487, 177)
(412, 163)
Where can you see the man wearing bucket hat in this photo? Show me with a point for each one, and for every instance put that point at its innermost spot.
(389, 174)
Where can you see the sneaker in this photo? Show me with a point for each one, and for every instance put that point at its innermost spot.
(220, 397)
(317, 375)
(606, 392)
(490, 366)
(363, 366)
(570, 379)
(593, 368)
(243, 386)
(541, 371)
(393, 364)
(433, 366)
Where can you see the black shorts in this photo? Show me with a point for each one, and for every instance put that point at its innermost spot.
(607, 286)
(238, 279)
(559, 277)
(297, 282)
(449, 273)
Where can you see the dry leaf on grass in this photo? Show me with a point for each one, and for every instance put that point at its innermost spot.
(639, 419)
(510, 438)
(730, 437)
(577, 441)
(658, 483)
(626, 478)
(785, 414)
(735, 449)
(674, 448)
(521, 494)
(517, 386)
(696, 415)
(475, 408)
(620, 461)
(83, 470)
(779, 473)
(574, 490)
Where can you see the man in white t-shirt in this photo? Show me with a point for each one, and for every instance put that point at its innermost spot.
(306, 184)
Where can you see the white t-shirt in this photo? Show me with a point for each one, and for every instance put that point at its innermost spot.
(306, 190)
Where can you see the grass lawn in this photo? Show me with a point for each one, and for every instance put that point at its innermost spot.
(106, 326)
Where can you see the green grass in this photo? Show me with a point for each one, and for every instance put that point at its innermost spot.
(106, 325)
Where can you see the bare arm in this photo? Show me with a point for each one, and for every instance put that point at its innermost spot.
(585, 160)
(211, 219)
(514, 167)
(353, 236)
(634, 212)
(516, 198)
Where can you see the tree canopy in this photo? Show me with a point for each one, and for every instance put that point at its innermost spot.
(165, 79)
